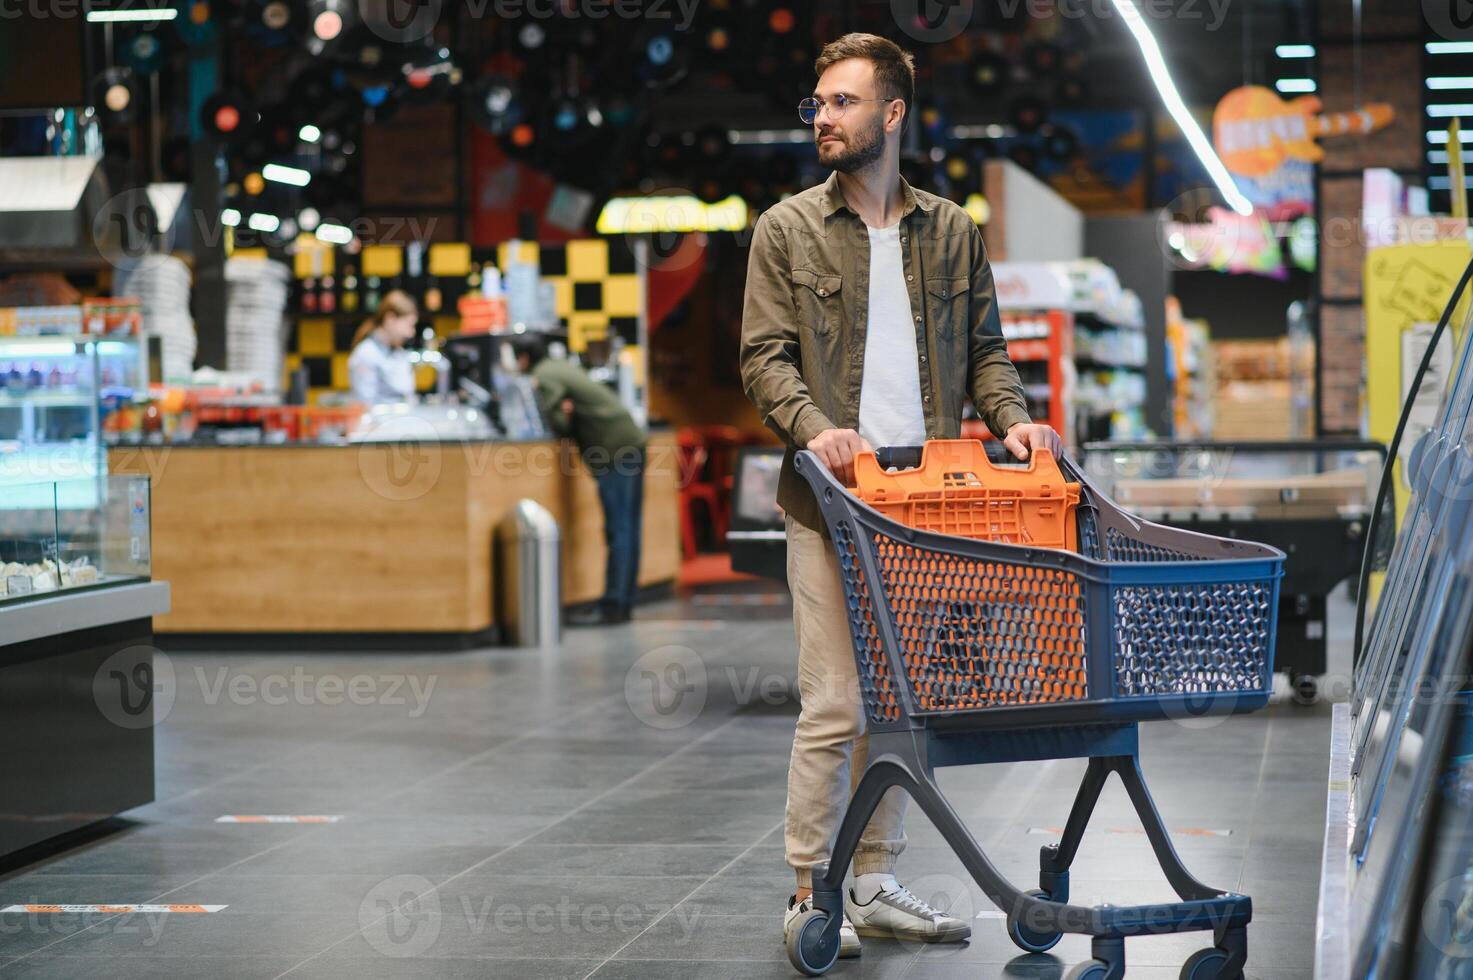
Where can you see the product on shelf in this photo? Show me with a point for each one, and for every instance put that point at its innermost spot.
(1254, 394)
(162, 285)
(1189, 372)
(17, 579)
(255, 308)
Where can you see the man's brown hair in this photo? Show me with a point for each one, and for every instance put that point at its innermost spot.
(895, 68)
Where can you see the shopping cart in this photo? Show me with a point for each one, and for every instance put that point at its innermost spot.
(971, 651)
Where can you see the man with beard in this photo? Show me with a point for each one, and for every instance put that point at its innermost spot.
(869, 314)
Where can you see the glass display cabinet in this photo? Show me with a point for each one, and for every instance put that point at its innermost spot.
(1310, 499)
(73, 534)
(56, 393)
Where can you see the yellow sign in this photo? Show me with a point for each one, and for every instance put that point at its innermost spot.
(637, 215)
(450, 259)
(1406, 288)
(383, 260)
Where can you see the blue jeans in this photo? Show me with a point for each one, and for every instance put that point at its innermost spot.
(621, 491)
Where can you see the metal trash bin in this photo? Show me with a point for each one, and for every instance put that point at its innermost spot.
(530, 576)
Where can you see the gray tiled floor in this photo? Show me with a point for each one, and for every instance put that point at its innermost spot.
(538, 816)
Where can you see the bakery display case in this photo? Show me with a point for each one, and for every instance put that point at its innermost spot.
(77, 666)
(77, 681)
(73, 534)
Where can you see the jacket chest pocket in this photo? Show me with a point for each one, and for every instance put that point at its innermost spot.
(818, 301)
(947, 303)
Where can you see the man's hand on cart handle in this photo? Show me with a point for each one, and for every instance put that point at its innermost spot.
(837, 448)
(1024, 437)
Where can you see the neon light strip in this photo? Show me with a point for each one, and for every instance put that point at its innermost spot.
(1156, 64)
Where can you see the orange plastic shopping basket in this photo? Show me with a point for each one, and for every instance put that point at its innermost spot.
(957, 490)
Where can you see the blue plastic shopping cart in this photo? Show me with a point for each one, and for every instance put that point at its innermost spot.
(972, 652)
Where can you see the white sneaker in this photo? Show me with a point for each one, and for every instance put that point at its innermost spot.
(848, 938)
(894, 913)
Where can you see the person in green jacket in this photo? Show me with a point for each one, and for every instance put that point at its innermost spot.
(612, 444)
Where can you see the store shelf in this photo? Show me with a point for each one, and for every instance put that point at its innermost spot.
(1028, 351)
(46, 399)
(1091, 364)
(1098, 319)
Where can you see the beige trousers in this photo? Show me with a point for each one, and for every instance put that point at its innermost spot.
(829, 745)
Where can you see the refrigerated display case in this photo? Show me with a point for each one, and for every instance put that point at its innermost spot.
(56, 396)
(1397, 893)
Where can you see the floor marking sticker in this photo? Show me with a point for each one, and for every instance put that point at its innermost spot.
(113, 909)
(277, 818)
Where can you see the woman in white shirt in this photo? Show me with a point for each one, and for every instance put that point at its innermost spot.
(379, 368)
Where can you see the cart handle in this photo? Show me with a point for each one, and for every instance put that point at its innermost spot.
(909, 457)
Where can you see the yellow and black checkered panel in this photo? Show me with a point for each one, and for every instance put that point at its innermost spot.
(597, 287)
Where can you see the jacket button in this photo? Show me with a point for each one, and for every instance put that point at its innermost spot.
(918, 318)
(923, 358)
(943, 294)
(823, 292)
(910, 278)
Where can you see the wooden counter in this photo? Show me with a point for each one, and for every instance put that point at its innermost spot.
(377, 538)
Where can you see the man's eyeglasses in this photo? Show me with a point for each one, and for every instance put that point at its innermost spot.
(809, 108)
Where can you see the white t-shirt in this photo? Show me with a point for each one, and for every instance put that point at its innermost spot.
(890, 411)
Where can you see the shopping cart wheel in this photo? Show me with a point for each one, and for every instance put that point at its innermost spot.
(1031, 940)
(1089, 970)
(809, 950)
(1207, 964)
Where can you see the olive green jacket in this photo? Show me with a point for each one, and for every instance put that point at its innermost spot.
(803, 323)
(600, 424)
